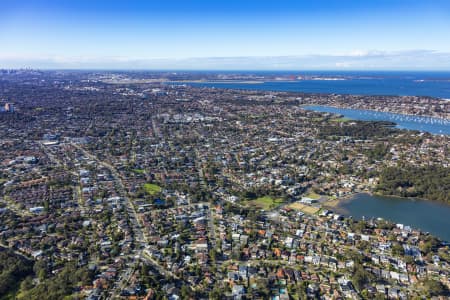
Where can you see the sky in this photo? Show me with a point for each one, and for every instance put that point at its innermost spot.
(226, 35)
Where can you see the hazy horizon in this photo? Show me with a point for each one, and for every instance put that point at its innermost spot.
(274, 71)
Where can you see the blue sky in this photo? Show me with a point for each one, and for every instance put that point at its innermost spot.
(192, 34)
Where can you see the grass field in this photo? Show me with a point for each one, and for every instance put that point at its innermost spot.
(307, 209)
(312, 195)
(139, 171)
(152, 189)
(340, 120)
(265, 202)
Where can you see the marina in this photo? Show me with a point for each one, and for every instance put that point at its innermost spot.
(420, 123)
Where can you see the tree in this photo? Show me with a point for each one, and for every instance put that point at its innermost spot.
(361, 277)
(26, 284)
(186, 292)
(40, 269)
(428, 245)
(380, 296)
(397, 249)
(365, 294)
(216, 293)
(212, 255)
(436, 288)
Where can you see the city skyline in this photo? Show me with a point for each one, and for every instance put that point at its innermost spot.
(200, 35)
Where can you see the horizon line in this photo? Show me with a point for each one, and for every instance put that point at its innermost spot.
(222, 70)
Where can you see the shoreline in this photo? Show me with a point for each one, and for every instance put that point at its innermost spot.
(336, 207)
(336, 202)
(333, 203)
(371, 110)
(219, 82)
(440, 98)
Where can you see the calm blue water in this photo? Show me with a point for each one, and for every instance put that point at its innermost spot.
(398, 87)
(434, 84)
(428, 216)
(428, 124)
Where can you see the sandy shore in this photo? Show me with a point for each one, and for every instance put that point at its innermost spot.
(334, 203)
(220, 81)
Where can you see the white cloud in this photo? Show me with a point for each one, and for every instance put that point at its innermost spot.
(359, 53)
(343, 65)
(357, 59)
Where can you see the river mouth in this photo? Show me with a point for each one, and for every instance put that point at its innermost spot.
(425, 215)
